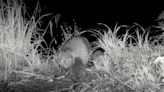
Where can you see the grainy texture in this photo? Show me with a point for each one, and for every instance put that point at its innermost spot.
(77, 46)
(96, 53)
(77, 71)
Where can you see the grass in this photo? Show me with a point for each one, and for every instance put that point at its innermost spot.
(20, 39)
(131, 61)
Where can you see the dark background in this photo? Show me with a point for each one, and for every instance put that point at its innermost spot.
(88, 13)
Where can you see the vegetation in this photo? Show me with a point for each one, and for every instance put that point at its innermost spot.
(132, 62)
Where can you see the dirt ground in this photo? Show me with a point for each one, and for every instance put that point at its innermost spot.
(32, 84)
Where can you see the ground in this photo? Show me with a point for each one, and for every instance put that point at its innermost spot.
(33, 84)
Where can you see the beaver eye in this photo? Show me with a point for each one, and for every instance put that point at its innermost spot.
(90, 64)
